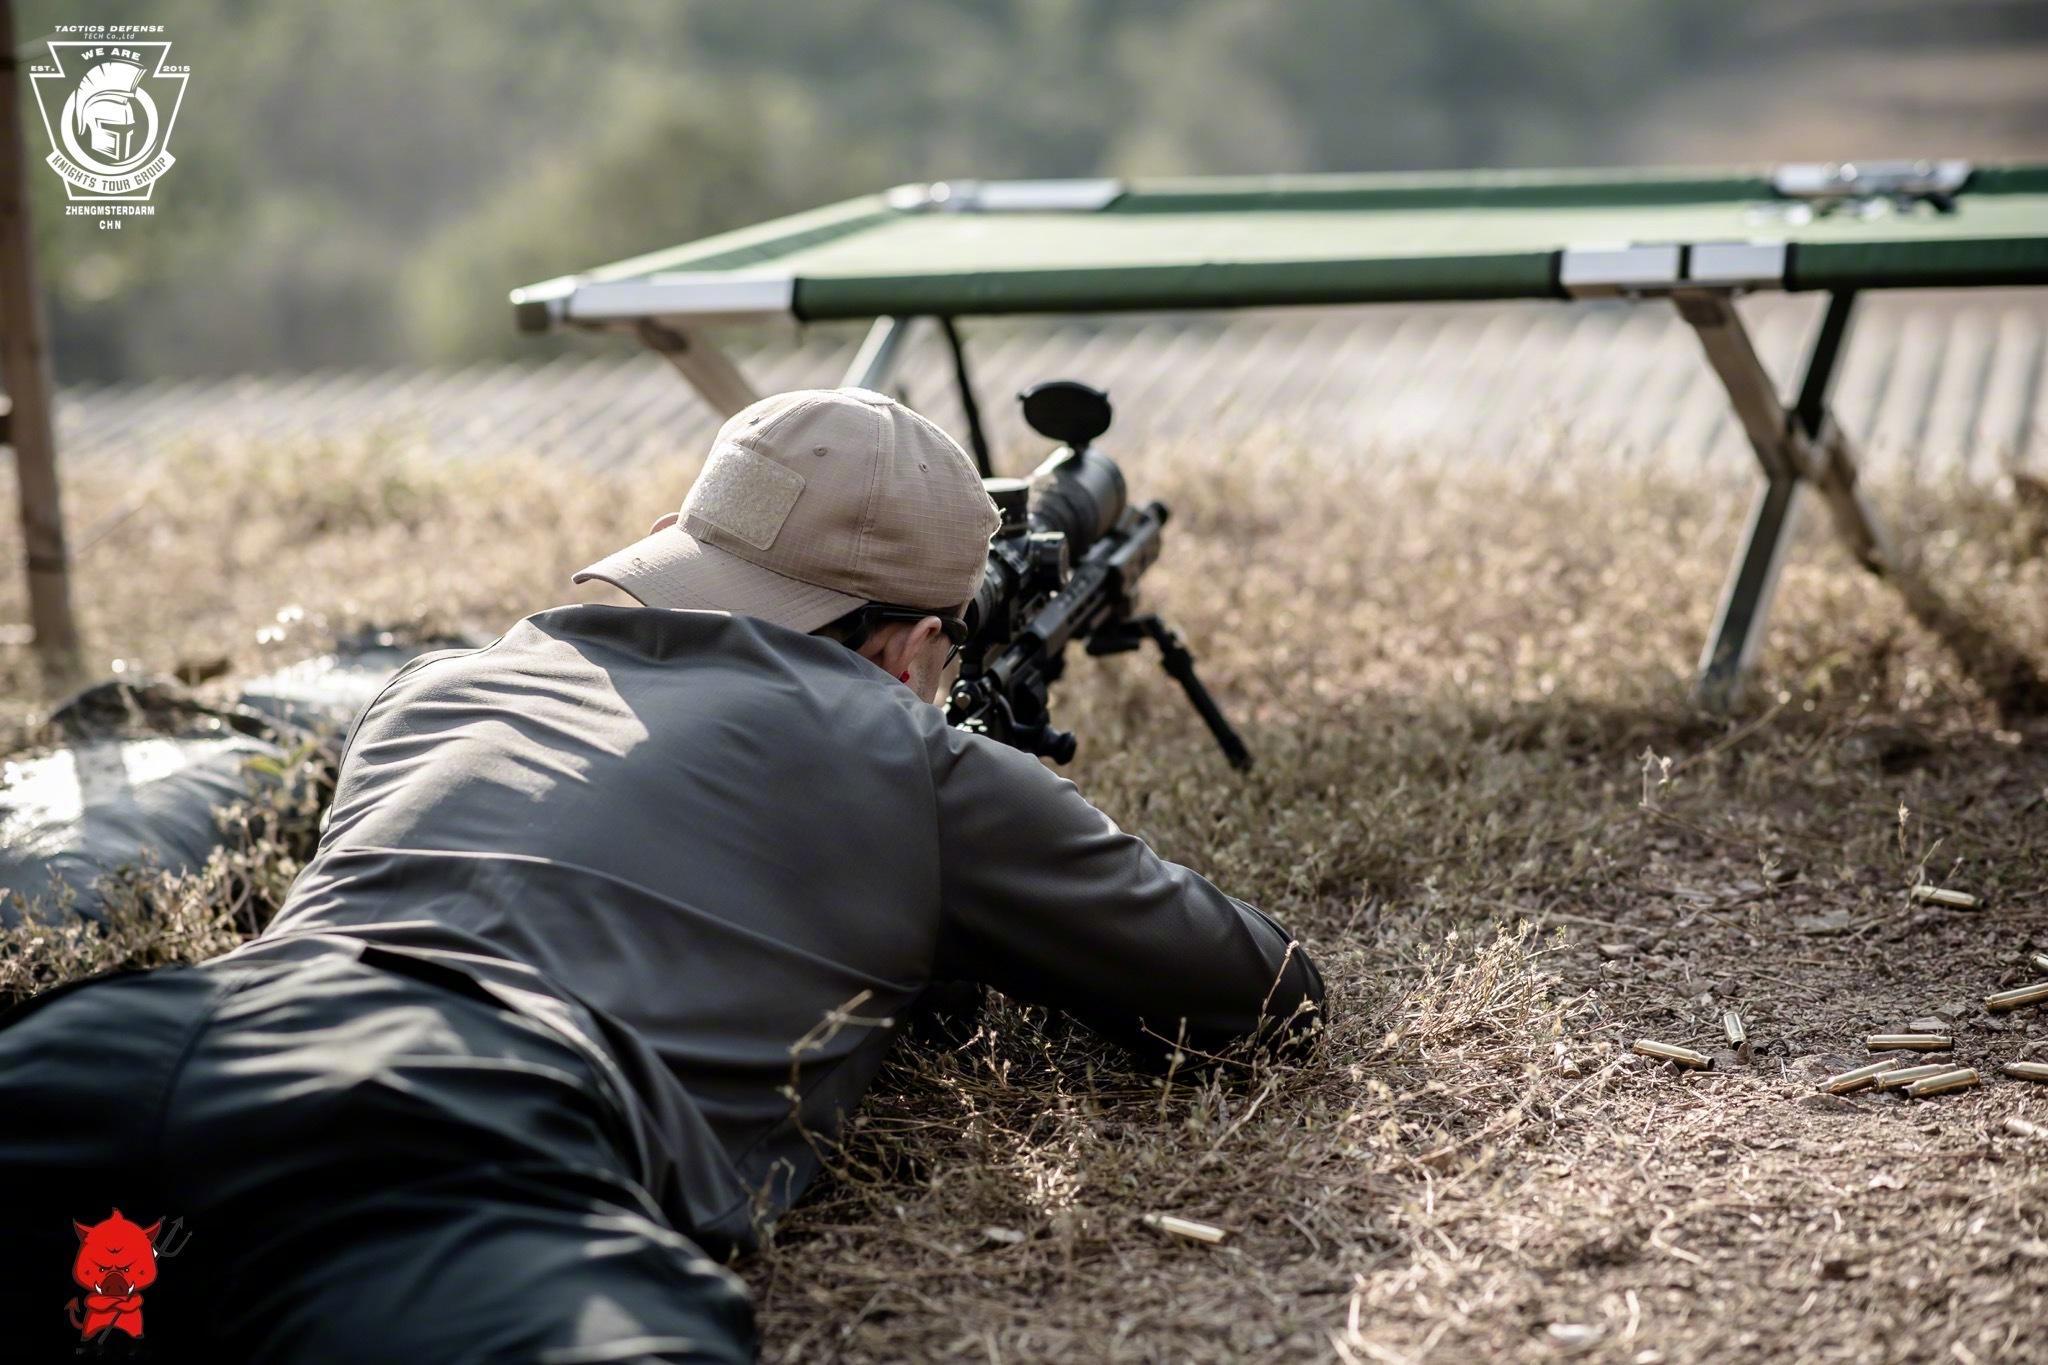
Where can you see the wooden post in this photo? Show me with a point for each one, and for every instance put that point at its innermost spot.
(25, 370)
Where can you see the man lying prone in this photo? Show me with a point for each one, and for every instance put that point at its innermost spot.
(508, 1071)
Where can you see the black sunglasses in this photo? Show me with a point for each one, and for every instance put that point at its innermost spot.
(954, 627)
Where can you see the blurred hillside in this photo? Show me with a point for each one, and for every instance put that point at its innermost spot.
(359, 184)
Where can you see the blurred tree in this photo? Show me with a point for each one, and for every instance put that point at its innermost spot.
(665, 165)
(360, 183)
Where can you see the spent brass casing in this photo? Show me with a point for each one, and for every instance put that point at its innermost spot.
(2027, 1071)
(2019, 995)
(1731, 1024)
(1962, 1078)
(1906, 1075)
(1909, 1042)
(1684, 1056)
(1935, 895)
(1185, 1227)
(1862, 1077)
(2041, 961)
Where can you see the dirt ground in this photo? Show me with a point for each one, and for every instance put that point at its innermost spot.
(1486, 805)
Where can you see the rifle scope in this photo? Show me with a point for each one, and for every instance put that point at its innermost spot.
(1051, 519)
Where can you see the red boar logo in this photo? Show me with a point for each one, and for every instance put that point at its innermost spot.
(116, 1262)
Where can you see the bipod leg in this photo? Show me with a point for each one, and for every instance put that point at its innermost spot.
(1179, 664)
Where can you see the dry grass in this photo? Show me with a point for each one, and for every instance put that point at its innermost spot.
(1450, 683)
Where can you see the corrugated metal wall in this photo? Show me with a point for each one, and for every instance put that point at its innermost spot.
(1935, 386)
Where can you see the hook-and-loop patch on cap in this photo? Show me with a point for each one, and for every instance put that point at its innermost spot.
(744, 494)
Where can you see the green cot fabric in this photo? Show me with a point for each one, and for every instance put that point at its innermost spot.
(1224, 243)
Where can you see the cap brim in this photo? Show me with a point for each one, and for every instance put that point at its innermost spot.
(672, 568)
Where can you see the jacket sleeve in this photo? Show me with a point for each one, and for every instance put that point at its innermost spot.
(1047, 900)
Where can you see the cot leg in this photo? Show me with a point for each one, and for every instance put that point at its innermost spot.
(977, 439)
(1830, 458)
(709, 370)
(1806, 444)
(1800, 443)
(879, 353)
(1746, 598)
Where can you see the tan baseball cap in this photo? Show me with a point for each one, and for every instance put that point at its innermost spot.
(812, 503)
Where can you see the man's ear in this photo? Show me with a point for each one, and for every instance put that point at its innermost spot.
(665, 522)
(900, 647)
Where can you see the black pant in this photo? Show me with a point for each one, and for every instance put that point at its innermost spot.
(352, 1164)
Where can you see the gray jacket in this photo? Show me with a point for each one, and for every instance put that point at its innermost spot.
(687, 838)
